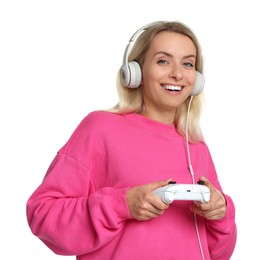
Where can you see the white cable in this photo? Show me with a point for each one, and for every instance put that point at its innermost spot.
(192, 173)
(198, 237)
(187, 140)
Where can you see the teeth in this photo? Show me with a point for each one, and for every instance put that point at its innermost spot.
(172, 87)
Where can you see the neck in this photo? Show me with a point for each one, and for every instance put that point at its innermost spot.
(163, 117)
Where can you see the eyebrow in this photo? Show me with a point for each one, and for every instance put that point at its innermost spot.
(170, 55)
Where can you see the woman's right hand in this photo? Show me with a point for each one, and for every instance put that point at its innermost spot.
(143, 204)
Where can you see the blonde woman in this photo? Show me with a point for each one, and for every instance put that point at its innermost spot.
(97, 199)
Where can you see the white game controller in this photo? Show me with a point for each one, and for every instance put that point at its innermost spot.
(195, 192)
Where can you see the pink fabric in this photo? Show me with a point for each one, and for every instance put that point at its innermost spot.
(80, 207)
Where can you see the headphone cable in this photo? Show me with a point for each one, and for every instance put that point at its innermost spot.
(192, 174)
(187, 141)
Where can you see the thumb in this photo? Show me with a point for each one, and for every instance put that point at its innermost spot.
(158, 184)
(206, 182)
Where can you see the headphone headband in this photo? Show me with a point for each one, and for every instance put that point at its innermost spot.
(128, 67)
(132, 40)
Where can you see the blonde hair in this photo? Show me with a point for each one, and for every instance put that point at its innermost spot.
(131, 100)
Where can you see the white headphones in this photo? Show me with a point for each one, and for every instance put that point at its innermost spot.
(131, 74)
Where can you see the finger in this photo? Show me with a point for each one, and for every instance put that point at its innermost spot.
(208, 184)
(222, 197)
(209, 211)
(147, 216)
(203, 213)
(157, 203)
(158, 184)
(206, 181)
(148, 211)
(214, 215)
(156, 211)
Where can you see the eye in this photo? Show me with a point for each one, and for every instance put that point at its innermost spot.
(188, 64)
(162, 62)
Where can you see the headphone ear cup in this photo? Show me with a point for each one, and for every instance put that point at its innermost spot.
(131, 76)
(199, 84)
(135, 74)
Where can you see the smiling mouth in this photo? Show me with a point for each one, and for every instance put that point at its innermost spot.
(173, 88)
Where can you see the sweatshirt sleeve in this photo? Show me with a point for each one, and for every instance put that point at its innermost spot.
(69, 216)
(74, 211)
(221, 234)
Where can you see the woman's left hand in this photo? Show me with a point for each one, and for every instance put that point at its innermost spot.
(215, 209)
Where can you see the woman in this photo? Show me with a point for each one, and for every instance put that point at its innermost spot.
(97, 199)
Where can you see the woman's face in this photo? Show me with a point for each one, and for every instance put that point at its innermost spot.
(168, 73)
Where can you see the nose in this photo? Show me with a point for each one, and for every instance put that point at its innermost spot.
(176, 72)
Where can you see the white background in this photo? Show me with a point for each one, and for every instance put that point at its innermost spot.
(58, 62)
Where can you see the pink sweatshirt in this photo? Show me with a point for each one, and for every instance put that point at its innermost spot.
(80, 207)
